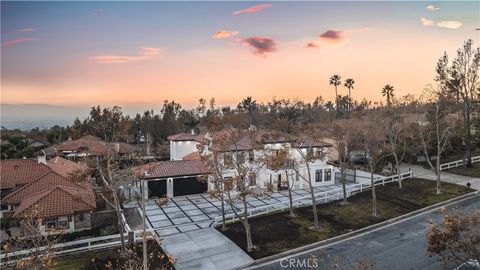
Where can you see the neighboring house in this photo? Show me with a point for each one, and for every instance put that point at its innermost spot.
(91, 146)
(180, 175)
(45, 189)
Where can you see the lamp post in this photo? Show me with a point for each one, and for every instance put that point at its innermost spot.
(145, 264)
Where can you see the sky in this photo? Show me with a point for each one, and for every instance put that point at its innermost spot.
(142, 53)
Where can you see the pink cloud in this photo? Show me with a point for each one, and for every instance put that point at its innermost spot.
(252, 9)
(338, 37)
(16, 41)
(26, 30)
(145, 54)
(260, 45)
(224, 34)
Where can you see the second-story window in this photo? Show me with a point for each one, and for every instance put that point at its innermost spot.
(251, 156)
(328, 174)
(318, 175)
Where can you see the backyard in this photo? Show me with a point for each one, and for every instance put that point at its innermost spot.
(338, 219)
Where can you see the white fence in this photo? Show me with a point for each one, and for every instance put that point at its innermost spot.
(457, 163)
(320, 197)
(76, 246)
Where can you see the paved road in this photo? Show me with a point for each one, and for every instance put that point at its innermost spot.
(400, 246)
(420, 172)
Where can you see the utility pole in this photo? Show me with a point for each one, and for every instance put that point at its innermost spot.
(145, 265)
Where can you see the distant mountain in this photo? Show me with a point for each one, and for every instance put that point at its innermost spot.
(28, 116)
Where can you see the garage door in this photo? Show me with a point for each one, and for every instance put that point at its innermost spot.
(157, 188)
(187, 186)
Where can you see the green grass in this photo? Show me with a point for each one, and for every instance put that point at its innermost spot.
(474, 171)
(278, 232)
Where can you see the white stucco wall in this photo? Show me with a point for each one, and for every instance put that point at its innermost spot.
(179, 149)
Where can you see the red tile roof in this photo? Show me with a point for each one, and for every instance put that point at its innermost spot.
(93, 145)
(42, 183)
(164, 169)
(64, 167)
(18, 172)
(192, 156)
(58, 201)
(187, 137)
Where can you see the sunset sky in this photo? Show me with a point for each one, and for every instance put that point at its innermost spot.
(142, 53)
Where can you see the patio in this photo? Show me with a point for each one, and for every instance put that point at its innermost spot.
(194, 212)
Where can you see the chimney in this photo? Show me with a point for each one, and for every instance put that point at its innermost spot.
(117, 147)
(42, 159)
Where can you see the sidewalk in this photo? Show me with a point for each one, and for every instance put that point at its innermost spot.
(421, 172)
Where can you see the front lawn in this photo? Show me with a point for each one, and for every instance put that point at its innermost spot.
(474, 171)
(278, 232)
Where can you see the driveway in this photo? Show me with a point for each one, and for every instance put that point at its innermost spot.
(398, 246)
(420, 172)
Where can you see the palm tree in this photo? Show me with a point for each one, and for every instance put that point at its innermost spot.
(336, 80)
(349, 84)
(329, 106)
(388, 91)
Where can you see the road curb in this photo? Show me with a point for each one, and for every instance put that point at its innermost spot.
(360, 231)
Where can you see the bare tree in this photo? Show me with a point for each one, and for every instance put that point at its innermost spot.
(284, 161)
(394, 127)
(305, 147)
(372, 139)
(341, 134)
(437, 132)
(31, 238)
(239, 178)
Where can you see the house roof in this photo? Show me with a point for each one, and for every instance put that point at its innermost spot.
(18, 172)
(186, 137)
(57, 201)
(40, 184)
(192, 156)
(92, 145)
(164, 169)
(64, 167)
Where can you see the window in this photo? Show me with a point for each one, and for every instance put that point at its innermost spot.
(297, 176)
(328, 174)
(318, 175)
(227, 159)
(241, 157)
(51, 223)
(228, 183)
(62, 222)
(252, 179)
(251, 156)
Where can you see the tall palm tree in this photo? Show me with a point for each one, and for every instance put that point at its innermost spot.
(336, 80)
(349, 84)
(387, 90)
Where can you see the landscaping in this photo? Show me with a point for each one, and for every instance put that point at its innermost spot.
(338, 219)
(110, 259)
(474, 171)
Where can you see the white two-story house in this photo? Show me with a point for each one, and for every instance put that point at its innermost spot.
(180, 175)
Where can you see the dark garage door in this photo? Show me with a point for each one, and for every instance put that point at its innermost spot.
(157, 188)
(187, 186)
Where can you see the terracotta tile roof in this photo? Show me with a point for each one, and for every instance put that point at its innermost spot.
(192, 156)
(93, 145)
(163, 169)
(18, 172)
(40, 184)
(308, 142)
(186, 137)
(64, 166)
(58, 201)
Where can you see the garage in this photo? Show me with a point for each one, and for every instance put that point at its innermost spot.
(188, 186)
(157, 188)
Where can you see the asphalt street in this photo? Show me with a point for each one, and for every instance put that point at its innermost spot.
(400, 246)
